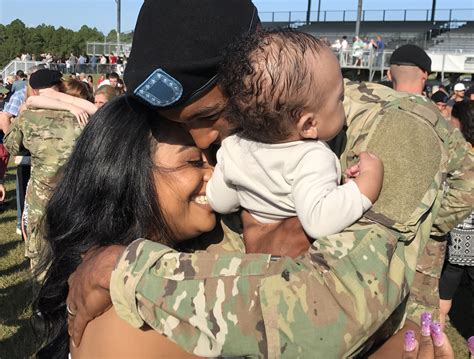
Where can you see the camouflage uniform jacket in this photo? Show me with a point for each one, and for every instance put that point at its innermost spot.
(50, 137)
(330, 300)
(457, 199)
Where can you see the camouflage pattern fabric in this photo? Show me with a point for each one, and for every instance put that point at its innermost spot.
(455, 166)
(50, 137)
(333, 298)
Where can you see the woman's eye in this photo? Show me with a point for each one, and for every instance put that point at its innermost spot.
(197, 163)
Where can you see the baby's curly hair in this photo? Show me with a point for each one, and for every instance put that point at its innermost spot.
(266, 76)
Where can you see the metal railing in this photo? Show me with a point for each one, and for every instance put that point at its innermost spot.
(363, 59)
(374, 61)
(14, 66)
(290, 17)
(107, 48)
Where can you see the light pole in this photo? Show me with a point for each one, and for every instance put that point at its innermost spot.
(118, 26)
(433, 12)
(308, 14)
(319, 9)
(359, 16)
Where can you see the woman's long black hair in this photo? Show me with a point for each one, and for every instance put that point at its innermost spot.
(106, 196)
(464, 112)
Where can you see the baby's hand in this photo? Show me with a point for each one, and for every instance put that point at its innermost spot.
(352, 172)
(368, 162)
(370, 176)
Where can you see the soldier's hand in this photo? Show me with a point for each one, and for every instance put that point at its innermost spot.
(285, 238)
(2, 192)
(89, 294)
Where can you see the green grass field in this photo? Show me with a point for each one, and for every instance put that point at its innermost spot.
(17, 338)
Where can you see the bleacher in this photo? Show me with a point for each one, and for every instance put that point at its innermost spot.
(460, 40)
(394, 33)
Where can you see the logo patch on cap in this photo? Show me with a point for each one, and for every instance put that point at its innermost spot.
(160, 89)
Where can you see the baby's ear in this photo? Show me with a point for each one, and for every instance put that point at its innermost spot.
(307, 125)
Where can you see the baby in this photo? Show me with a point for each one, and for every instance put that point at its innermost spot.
(286, 94)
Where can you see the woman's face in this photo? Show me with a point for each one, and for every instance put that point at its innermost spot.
(100, 100)
(181, 177)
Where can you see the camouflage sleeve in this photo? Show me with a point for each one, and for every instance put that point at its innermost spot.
(13, 140)
(459, 193)
(237, 304)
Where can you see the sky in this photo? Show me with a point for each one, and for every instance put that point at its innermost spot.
(101, 14)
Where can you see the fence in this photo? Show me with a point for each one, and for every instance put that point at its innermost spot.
(14, 66)
(363, 59)
(107, 48)
(379, 61)
(299, 17)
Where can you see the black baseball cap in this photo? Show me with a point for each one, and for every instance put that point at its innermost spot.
(177, 47)
(411, 55)
(439, 96)
(44, 78)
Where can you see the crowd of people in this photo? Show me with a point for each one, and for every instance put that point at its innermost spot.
(82, 63)
(17, 95)
(359, 50)
(234, 196)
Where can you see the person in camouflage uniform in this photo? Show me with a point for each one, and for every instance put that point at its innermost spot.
(410, 66)
(50, 137)
(329, 300)
(334, 297)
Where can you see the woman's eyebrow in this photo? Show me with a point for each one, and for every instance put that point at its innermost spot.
(185, 148)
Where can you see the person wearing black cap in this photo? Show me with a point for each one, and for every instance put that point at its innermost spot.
(441, 99)
(409, 69)
(49, 136)
(183, 73)
(203, 312)
(48, 91)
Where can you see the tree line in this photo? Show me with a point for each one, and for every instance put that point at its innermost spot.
(16, 39)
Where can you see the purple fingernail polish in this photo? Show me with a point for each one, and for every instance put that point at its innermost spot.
(425, 324)
(436, 334)
(470, 345)
(409, 342)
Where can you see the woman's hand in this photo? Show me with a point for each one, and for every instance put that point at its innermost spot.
(81, 115)
(433, 342)
(89, 294)
(285, 238)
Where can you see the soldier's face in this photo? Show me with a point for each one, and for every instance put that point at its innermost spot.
(330, 116)
(203, 118)
(181, 176)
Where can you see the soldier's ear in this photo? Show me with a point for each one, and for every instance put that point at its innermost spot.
(389, 75)
(425, 75)
(307, 126)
